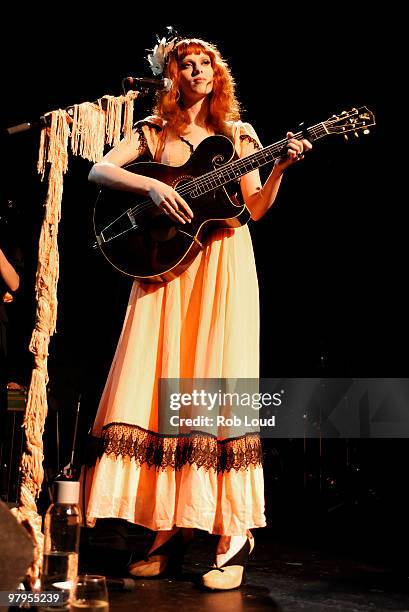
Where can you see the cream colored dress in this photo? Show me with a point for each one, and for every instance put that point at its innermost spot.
(205, 323)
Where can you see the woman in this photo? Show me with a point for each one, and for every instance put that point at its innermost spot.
(203, 324)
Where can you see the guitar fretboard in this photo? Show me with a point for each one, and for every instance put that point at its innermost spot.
(234, 170)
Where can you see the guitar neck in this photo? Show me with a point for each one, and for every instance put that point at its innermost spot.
(234, 170)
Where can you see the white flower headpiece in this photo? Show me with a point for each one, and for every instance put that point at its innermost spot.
(159, 55)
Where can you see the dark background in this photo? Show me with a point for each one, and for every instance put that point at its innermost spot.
(330, 253)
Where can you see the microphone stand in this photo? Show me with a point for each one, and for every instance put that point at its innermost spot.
(69, 471)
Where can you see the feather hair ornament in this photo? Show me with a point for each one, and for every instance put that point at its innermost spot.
(159, 55)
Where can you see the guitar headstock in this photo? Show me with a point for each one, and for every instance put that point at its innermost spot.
(354, 120)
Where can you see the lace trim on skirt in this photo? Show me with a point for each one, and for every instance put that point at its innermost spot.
(202, 449)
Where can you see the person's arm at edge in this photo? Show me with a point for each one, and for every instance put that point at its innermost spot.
(8, 273)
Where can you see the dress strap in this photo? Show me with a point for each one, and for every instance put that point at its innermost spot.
(151, 131)
(189, 144)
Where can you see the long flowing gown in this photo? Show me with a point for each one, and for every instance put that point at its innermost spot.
(203, 324)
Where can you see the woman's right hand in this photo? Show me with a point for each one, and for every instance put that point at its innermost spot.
(169, 200)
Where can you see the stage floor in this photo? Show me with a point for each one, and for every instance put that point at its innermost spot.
(281, 576)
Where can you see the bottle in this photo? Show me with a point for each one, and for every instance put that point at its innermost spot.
(62, 524)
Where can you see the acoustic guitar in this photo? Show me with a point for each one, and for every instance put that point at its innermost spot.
(140, 240)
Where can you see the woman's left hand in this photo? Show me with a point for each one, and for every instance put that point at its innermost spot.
(296, 150)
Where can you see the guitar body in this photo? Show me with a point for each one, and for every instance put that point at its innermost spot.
(138, 239)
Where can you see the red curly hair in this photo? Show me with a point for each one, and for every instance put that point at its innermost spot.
(223, 106)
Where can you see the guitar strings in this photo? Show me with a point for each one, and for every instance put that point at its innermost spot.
(206, 179)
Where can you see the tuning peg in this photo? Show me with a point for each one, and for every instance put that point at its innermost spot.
(346, 136)
(356, 134)
(366, 131)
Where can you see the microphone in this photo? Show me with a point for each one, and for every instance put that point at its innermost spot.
(141, 83)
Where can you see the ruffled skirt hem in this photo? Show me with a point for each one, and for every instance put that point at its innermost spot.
(224, 503)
